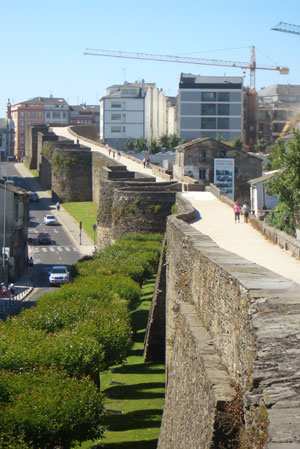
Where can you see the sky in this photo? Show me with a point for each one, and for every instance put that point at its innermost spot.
(43, 44)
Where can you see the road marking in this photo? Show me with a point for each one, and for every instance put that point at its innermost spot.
(59, 248)
(51, 249)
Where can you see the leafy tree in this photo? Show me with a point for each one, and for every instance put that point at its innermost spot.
(182, 141)
(238, 143)
(173, 141)
(129, 146)
(220, 138)
(286, 183)
(153, 147)
(140, 144)
(261, 145)
(163, 141)
(277, 218)
(49, 409)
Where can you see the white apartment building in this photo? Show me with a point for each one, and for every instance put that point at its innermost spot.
(210, 106)
(135, 110)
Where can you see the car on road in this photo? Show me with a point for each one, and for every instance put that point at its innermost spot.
(50, 219)
(33, 197)
(44, 238)
(58, 275)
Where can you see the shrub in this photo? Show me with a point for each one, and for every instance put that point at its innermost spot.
(276, 218)
(48, 409)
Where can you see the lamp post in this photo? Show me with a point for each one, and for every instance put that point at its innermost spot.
(4, 230)
(95, 229)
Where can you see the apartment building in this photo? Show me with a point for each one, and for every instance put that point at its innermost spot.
(210, 106)
(276, 106)
(84, 114)
(37, 111)
(135, 110)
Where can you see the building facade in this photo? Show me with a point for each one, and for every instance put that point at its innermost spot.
(84, 114)
(6, 136)
(210, 106)
(134, 110)
(277, 105)
(37, 111)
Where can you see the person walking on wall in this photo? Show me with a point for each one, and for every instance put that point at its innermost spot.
(246, 210)
(237, 211)
(57, 206)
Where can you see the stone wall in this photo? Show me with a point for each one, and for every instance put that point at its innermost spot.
(229, 323)
(71, 174)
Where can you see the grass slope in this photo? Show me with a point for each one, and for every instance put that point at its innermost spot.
(86, 212)
(136, 390)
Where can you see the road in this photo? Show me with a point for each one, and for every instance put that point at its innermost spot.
(62, 250)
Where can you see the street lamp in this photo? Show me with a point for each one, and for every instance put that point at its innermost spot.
(95, 229)
(4, 230)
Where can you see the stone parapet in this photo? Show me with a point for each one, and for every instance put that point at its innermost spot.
(251, 316)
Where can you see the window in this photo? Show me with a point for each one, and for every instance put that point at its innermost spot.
(202, 174)
(48, 115)
(64, 115)
(116, 129)
(223, 123)
(22, 134)
(39, 114)
(208, 109)
(124, 129)
(202, 156)
(223, 96)
(22, 123)
(209, 96)
(115, 104)
(116, 116)
(223, 109)
(22, 114)
(208, 123)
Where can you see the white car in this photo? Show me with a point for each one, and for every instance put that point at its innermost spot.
(50, 219)
(58, 275)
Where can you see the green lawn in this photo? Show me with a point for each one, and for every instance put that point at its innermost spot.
(136, 390)
(85, 212)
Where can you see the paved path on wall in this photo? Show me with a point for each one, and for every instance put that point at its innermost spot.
(217, 221)
(136, 166)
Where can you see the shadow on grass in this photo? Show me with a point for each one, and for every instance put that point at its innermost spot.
(139, 368)
(141, 419)
(144, 444)
(135, 391)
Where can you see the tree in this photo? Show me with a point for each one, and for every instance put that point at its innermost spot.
(238, 143)
(153, 147)
(261, 145)
(129, 146)
(140, 144)
(173, 141)
(286, 183)
(163, 141)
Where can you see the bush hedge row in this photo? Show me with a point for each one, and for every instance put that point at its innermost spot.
(51, 355)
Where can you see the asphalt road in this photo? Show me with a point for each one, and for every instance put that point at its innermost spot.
(61, 251)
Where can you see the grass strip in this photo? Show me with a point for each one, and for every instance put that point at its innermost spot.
(86, 212)
(134, 392)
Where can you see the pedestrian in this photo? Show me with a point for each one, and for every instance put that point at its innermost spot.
(237, 211)
(148, 162)
(114, 154)
(3, 289)
(109, 151)
(57, 206)
(144, 162)
(31, 262)
(11, 289)
(119, 155)
(246, 210)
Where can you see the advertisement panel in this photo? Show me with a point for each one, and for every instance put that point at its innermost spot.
(224, 176)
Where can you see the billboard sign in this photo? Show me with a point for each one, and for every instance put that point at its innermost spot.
(224, 176)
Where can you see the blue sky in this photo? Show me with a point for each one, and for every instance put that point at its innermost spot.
(43, 44)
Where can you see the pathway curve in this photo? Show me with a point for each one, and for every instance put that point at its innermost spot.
(217, 221)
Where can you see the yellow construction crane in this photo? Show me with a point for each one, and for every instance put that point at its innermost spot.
(251, 66)
(287, 127)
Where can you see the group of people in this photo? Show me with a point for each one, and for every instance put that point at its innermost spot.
(237, 209)
(146, 162)
(8, 290)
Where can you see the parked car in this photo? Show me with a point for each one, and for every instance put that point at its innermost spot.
(58, 275)
(50, 219)
(44, 238)
(33, 197)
